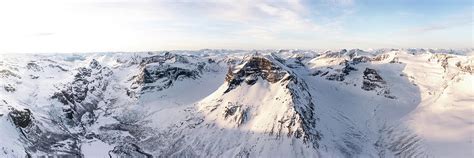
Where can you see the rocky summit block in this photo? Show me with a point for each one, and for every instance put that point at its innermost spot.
(21, 118)
(253, 68)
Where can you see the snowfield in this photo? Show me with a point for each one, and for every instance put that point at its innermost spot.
(232, 103)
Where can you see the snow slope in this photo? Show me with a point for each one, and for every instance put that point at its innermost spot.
(231, 103)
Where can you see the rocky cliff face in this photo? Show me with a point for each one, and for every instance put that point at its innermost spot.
(64, 131)
(83, 94)
(21, 118)
(372, 81)
(159, 72)
(253, 69)
(287, 103)
(298, 120)
(349, 63)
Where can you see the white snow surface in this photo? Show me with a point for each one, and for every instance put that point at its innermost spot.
(424, 107)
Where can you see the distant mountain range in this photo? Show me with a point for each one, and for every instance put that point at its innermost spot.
(232, 103)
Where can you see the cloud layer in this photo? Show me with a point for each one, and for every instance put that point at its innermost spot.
(142, 25)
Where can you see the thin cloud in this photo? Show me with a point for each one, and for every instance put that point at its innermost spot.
(44, 34)
(448, 22)
(128, 25)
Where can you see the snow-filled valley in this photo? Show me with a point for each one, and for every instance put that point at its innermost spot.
(231, 103)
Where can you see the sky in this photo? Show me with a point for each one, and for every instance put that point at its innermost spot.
(35, 26)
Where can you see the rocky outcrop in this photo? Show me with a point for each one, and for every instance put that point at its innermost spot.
(298, 121)
(442, 59)
(9, 88)
(7, 73)
(129, 150)
(253, 69)
(165, 58)
(40, 139)
(166, 75)
(339, 74)
(372, 81)
(381, 57)
(21, 118)
(161, 71)
(467, 66)
(372, 76)
(58, 67)
(302, 124)
(85, 91)
(360, 59)
(237, 113)
(34, 67)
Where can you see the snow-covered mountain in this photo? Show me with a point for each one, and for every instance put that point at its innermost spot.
(231, 103)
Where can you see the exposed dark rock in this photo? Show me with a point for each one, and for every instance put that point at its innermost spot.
(441, 58)
(236, 113)
(300, 123)
(34, 77)
(94, 64)
(8, 73)
(59, 67)
(62, 97)
(295, 62)
(381, 57)
(40, 139)
(368, 86)
(80, 98)
(163, 58)
(9, 88)
(211, 61)
(324, 73)
(353, 53)
(129, 150)
(88, 81)
(316, 73)
(360, 59)
(337, 77)
(160, 72)
(33, 67)
(374, 82)
(347, 67)
(252, 69)
(21, 118)
(166, 75)
(229, 111)
(372, 75)
(344, 71)
(466, 67)
(305, 108)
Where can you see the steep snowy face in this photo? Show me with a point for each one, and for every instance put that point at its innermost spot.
(224, 103)
(263, 95)
(82, 95)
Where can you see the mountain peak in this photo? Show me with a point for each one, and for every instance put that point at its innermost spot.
(262, 94)
(253, 68)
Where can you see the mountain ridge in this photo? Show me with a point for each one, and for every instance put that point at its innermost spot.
(285, 103)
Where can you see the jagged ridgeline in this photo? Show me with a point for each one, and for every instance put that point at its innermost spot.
(225, 103)
(289, 112)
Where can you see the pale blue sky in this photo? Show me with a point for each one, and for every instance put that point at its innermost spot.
(146, 25)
